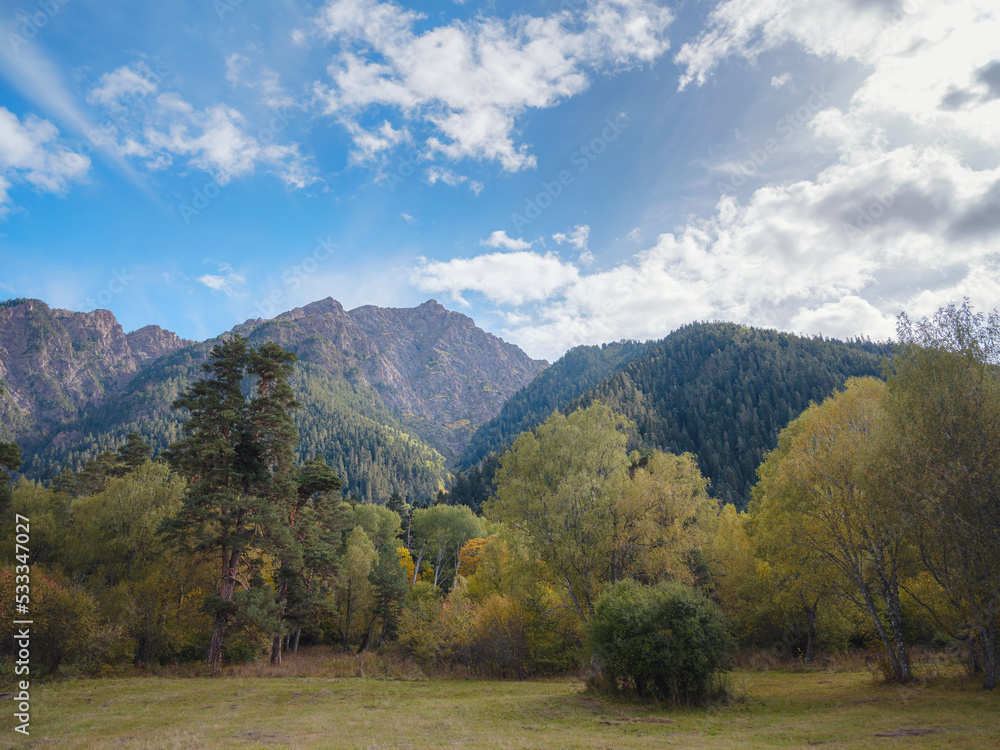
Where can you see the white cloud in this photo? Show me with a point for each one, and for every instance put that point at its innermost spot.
(435, 175)
(123, 83)
(506, 278)
(904, 217)
(499, 238)
(236, 66)
(31, 153)
(159, 127)
(578, 238)
(845, 318)
(267, 83)
(409, 219)
(467, 82)
(27, 69)
(841, 255)
(778, 81)
(227, 281)
(370, 143)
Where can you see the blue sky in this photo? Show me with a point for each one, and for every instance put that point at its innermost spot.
(563, 172)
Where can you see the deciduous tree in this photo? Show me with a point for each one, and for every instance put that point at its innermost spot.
(820, 486)
(944, 408)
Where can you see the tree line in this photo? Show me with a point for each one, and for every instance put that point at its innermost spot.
(874, 523)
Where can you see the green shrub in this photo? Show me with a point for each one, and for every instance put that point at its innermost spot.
(241, 650)
(666, 642)
(68, 633)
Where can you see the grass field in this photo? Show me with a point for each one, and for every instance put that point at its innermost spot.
(318, 709)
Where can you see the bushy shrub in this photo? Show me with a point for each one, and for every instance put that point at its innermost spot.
(242, 650)
(666, 641)
(68, 633)
(499, 638)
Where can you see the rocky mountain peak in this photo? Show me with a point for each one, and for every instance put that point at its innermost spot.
(435, 369)
(319, 307)
(151, 342)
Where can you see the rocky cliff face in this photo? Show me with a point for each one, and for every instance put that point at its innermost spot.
(446, 375)
(443, 375)
(436, 368)
(151, 342)
(55, 364)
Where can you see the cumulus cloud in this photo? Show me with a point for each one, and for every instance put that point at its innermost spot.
(778, 81)
(841, 255)
(226, 281)
(500, 239)
(507, 278)
(466, 83)
(903, 217)
(578, 238)
(31, 153)
(123, 83)
(437, 174)
(161, 126)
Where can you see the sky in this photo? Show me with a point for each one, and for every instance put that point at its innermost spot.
(565, 173)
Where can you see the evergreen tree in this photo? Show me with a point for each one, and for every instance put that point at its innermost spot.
(132, 455)
(314, 522)
(10, 461)
(237, 452)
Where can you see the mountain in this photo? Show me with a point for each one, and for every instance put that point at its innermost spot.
(718, 390)
(577, 370)
(390, 396)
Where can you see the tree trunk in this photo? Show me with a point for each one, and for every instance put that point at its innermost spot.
(438, 564)
(227, 589)
(416, 567)
(890, 592)
(276, 645)
(215, 648)
(990, 665)
(368, 634)
(276, 651)
(898, 674)
(295, 643)
(345, 633)
(811, 637)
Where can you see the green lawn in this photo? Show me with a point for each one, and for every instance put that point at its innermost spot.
(773, 709)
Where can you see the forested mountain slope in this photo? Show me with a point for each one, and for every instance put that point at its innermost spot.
(389, 395)
(718, 390)
(569, 377)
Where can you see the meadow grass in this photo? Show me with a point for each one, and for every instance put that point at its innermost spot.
(318, 700)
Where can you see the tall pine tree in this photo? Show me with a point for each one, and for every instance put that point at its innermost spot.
(237, 452)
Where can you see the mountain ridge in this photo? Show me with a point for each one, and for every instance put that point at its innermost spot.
(75, 381)
(721, 391)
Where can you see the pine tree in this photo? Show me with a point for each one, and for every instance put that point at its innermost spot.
(237, 452)
(132, 455)
(314, 523)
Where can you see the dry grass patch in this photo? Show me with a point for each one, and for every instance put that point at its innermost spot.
(394, 706)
